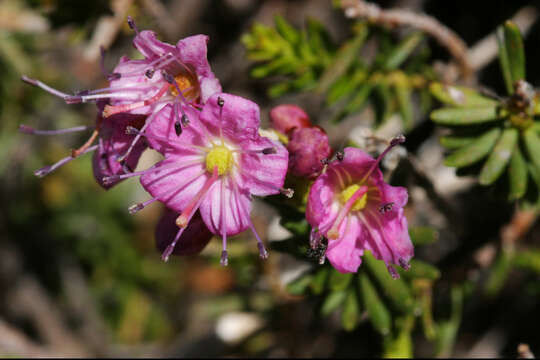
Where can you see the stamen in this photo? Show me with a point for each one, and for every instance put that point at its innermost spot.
(265, 151)
(108, 180)
(288, 192)
(177, 122)
(386, 207)
(178, 128)
(25, 129)
(404, 264)
(116, 109)
(185, 120)
(85, 146)
(130, 130)
(139, 206)
(400, 139)
(149, 73)
(43, 86)
(168, 251)
(340, 155)
(194, 204)
(333, 233)
(270, 150)
(224, 260)
(50, 168)
(132, 25)
(392, 272)
(137, 137)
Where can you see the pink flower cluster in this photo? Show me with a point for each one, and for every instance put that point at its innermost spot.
(215, 160)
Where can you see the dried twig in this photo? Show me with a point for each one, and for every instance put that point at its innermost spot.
(401, 17)
(519, 226)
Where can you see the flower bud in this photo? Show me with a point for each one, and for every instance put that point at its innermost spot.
(286, 118)
(307, 149)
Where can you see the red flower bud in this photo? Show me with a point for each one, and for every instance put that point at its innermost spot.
(285, 118)
(307, 148)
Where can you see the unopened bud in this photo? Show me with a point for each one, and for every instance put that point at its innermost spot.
(286, 118)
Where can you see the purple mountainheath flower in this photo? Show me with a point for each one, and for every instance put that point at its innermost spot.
(193, 240)
(352, 206)
(215, 167)
(308, 147)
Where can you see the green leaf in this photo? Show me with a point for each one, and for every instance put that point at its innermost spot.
(455, 142)
(465, 116)
(357, 102)
(528, 259)
(400, 346)
(394, 289)
(351, 311)
(319, 39)
(339, 281)
(332, 302)
(423, 235)
(499, 158)
(402, 51)
(421, 270)
(345, 86)
(319, 280)
(504, 61)
(498, 274)
(404, 99)
(447, 330)
(459, 96)
(516, 53)
(345, 56)
(288, 32)
(475, 151)
(378, 313)
(517, 173)
(532, 143)
(300, 285)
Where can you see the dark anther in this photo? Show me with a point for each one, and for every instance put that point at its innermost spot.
(340, 155)
(178, 128)
(400, 139)
(270, 150)
(386, 207)
(82, 93)
(131, 23)
(168, 77)
(114, 76)
(325, 161)
(319, 252)
(220, 101)
(149, 73)
(185, 120)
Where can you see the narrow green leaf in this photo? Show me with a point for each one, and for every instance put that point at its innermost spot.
(300, 285)
(423, 235)
(400, 346)
(394, 289)
(319, 281)
(402, 51)
(343, 60)
(516, 52)
(421, 270)
(345, 86)
(532, 143)
(459, 96)
(528, 259)
(351, 311)
(319, 39)
(504, 60)
(499, 157)
(455, 142)
(378, 313)
(403, 96)
(357, 102)
(339, 281)
(475, 151)
(288, 32)
(498, 274)
(465, 116)
(332, 302)
(517, 173)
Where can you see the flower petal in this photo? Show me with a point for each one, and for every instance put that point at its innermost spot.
(148, 45)
(343, 253)
(263, 174)
(237, 207)
(176, 181)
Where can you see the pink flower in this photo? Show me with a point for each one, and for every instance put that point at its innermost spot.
(193, 240)
(138, 89)
(352, 206)
(285, 118)
(308, 147)
(216, 166)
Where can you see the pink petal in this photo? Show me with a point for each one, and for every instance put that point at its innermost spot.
(148, 45)
(177, 182)
(344, 253)
(236, 210)
(263, 174)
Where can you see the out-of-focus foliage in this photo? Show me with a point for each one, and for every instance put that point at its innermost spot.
(308, 60)
(501, 133)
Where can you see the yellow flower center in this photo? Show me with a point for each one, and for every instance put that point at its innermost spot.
(185, 81)
(221, 157)
(348, 192)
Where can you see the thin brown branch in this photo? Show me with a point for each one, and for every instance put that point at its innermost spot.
(402, 17)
